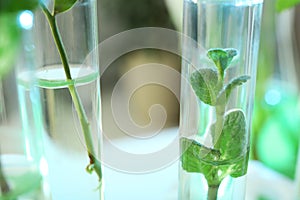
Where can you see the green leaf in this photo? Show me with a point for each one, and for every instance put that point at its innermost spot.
(196, 155)
(9, 41)
(228, 157)
(197, 158)
(225, 93)
(17, 5)
(200, 159)
(233, 140)
(241, 166)
(286, 4)
(222, 58)
(61, 6)
(206, 85)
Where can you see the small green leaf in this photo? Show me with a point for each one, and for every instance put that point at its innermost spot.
(61, 6)
(286, 4)
(206, 86)
(222, 58)
(226, 91)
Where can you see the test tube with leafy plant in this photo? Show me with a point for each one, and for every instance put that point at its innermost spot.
(217, 95)
(229, 152)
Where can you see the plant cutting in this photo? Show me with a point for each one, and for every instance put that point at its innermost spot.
(60, 7)
(228, 154)
(66, 76)
(67, 79)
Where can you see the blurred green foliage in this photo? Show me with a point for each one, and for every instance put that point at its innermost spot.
(10, 33)
(286, 4)
(276, 128)
(9, 41)
(17, 5)
(275, 132)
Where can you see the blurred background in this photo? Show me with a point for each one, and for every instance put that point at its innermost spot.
(118, 16)
(276, 115)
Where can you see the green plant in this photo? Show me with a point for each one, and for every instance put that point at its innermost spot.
(9, 37)
(61, 6)
(229, 154)
(10, 34)
(286, 4)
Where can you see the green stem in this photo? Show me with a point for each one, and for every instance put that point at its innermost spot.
(58, 41)
(85, 125)
(86, 129)
(212, 193)
(213, 189)
(220, 110)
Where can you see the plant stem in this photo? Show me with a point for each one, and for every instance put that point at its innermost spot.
(212, 193)
(85, 125)
(220, 110)
(213, 188)
(58, 41)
